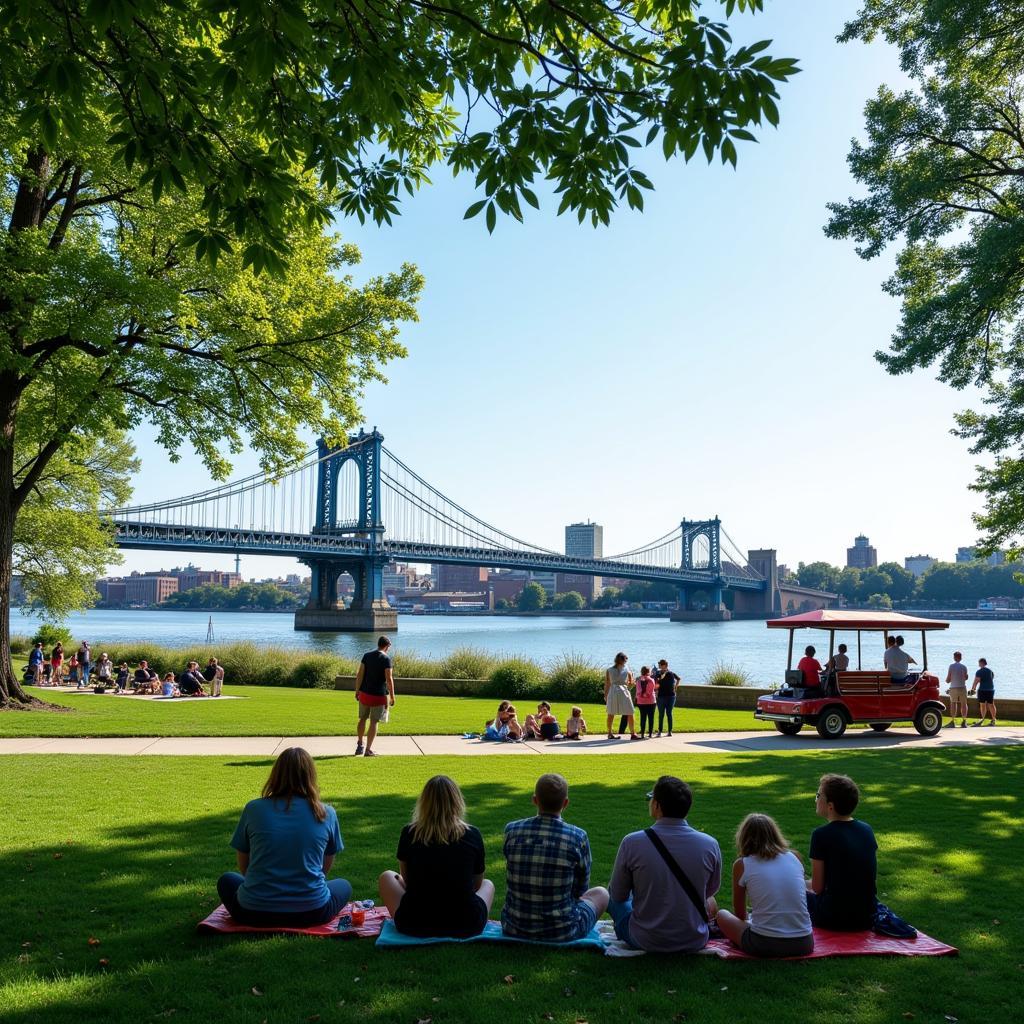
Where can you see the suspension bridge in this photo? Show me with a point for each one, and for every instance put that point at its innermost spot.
(356, 508)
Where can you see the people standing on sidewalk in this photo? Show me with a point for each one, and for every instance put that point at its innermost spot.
(617, 681)
(984, 683)
(57, 664)
(84, 662)
(375, 693)
(668, 683)
(35, 663)
(956, 677)
(646, 697)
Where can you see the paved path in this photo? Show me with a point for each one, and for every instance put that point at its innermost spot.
(681, 743)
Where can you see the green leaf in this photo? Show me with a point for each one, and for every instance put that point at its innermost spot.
(474, 209)
(492, 218)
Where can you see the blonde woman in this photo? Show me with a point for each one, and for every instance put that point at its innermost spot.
(617, 681)
(770, 877)
(439, 888)
(286, 842)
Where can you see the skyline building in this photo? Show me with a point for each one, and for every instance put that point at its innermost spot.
(582, 540)
(862, 555)
(918, 564)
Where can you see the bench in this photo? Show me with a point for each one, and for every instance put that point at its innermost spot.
(869, 681)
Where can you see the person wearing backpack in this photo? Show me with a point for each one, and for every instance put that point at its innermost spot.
(664, 877)
(84, 662)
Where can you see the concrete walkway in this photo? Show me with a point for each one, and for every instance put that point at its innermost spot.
(447, 746)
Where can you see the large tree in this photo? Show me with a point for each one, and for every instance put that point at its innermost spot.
(943, 168)
(169, 168)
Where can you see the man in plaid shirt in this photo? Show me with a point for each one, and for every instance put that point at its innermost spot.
(548, 871)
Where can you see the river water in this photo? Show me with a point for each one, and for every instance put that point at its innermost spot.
(691, 648)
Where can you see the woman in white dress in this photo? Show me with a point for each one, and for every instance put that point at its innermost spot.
(617, 681)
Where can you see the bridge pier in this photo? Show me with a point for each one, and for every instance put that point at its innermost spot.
(369, 611)
(715, 612)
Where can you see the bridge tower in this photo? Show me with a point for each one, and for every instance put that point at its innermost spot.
(369, 611)
(702, 550)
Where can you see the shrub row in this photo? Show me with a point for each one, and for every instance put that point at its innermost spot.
(571, 677)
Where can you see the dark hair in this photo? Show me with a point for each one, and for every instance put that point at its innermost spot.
(809, 651)
(983, 661)
(842, 648)
(383, 642)
(899, 641)
(294, 775)
(675, 798)
(841, 792)
(621, 658)
(551, 792)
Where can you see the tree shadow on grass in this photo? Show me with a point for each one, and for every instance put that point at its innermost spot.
(140, 887)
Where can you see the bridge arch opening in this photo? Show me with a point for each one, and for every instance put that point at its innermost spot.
(346, 494)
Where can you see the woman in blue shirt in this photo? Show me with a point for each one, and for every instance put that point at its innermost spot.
(286, 842)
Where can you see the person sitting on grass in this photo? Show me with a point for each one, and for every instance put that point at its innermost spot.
(651, 905)
(841, 892)
(190, 683)
(496, 728)
(168, 688)
(515, 730)
(575, 725)
(531, 726)
(146, 679)
(548, 897)
(286, 842)
(769, 876)
(121, 680)
(549, 729)
(439, 888)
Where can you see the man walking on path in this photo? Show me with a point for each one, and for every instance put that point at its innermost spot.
(375, 692)
(956, 677)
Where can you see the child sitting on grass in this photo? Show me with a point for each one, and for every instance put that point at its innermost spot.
(769, 876)
(575, 725)
(549, 729)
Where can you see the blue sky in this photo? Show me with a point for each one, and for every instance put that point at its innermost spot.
(713, 355)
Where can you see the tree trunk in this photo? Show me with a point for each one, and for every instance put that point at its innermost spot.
(11, 692)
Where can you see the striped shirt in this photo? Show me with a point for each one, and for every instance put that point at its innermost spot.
(548, 870)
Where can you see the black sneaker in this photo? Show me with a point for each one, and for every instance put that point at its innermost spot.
(359, 749)
(371, 753)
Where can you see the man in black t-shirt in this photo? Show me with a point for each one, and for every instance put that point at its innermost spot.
(841, 893)
(375, 692)
(668, 683)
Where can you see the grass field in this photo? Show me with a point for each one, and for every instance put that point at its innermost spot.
(127, 853)
(274, 711)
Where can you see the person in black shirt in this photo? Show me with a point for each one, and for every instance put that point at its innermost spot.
(190, 683)
(985, 684)
(439, 888)
(841, 893)
(668, 683)
(375, 691)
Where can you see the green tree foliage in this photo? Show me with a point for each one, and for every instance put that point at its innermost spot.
(879, 601)
(942, 169)
(571, 601)
(257, 104)
(902, 582)
(872, 581)
(60, 542)
(818, 575)
(608, 598)
(247, 597)
(848, 584)
(532, 598)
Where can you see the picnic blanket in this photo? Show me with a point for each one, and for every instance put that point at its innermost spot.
(826, 944)
(390, 936)
(220, 922)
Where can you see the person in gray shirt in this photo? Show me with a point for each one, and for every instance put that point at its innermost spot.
(649, 905)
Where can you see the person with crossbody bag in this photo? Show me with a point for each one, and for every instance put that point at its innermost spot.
(664, 876)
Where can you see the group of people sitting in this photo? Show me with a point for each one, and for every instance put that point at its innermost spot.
(505, 727)
(897, 663)
(661, 896)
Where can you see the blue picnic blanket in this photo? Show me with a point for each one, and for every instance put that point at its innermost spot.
(391, 936)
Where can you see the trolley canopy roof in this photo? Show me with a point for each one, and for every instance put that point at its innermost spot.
(892, 622)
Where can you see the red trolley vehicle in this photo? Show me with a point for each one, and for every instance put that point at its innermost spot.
(863, 696)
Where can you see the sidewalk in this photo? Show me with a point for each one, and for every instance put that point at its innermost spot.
(448, 746)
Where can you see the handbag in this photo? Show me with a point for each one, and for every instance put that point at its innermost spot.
(676, 870)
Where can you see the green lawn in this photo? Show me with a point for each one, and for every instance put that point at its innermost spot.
(277, 711)
(126, 851)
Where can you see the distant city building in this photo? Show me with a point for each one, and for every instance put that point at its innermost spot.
(142, 590)
(190, 577)
(968, 555)
(451, 579)
(582, 540)
(918, 564)
(862, 555)
(505, 585)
